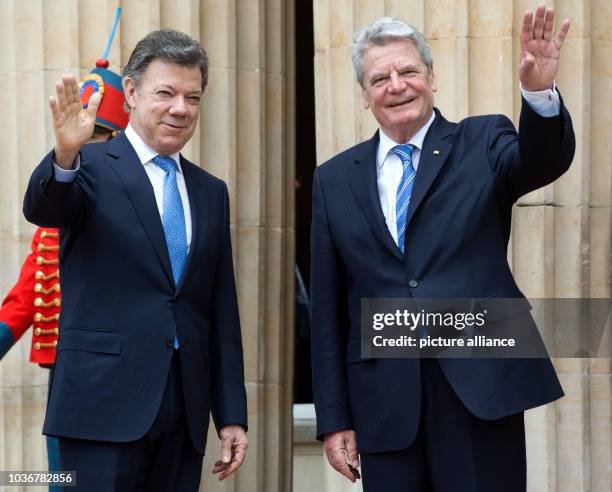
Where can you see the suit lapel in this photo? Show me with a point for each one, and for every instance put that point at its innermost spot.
(434, 154)
(363, 183)
(198, 196)
(127, 165)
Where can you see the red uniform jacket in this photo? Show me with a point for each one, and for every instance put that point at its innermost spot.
(35, 300)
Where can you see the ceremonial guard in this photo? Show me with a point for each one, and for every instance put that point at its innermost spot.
(35, 300)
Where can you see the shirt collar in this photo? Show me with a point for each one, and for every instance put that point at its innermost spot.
(386, 144)
(144, 152)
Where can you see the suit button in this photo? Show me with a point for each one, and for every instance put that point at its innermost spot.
(170, 343)
(413, 284)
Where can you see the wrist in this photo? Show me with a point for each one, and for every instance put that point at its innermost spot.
(529, 88)
(64, 157)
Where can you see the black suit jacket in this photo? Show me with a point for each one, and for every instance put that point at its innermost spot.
(458, 226)
(121, 309)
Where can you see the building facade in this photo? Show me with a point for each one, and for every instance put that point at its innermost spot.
(560, 245)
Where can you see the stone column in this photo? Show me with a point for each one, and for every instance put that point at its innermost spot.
(245, 136)
(560, 244)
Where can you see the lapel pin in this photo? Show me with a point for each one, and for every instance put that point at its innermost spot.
(436, 152)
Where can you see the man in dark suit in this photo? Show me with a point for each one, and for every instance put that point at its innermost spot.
(150, 338)
(423, 210)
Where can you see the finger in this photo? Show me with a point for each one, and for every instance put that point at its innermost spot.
(60, 95)
(228, 471)
(234, 465)
(561, 33)
(93, 104)
(239, 455)
(527, 28)
(337, 461)
(538, 23)
(68, 81)
(353, 457)
(237, 460)
(53, 106)
(219, 466)
(75, 96)
(345, 470)
(351, 450)
(226, 449)
(549, 22)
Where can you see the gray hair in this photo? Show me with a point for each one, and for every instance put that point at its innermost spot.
(382, 32)
(169, 46)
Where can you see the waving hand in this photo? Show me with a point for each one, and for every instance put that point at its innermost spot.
(540, 49)
(72, 124)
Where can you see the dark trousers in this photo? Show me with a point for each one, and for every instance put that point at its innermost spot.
(162, 460)
(454, 451)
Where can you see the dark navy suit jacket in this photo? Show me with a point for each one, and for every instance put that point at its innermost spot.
(121, 309)
(458, 226)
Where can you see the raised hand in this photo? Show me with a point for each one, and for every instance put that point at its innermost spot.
(72, 124)
(540, 49)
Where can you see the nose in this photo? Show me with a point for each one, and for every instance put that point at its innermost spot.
(395, 84)
(179, 106)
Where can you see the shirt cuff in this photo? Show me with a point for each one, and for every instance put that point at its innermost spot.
(546, 103)
(67, 175)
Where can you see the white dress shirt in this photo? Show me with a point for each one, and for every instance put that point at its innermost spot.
(155, 173)
(389, 168)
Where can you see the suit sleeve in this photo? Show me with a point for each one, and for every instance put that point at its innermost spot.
(227, 367)
(329, 322)
(17, 311)
(50, 203)
(540, 153)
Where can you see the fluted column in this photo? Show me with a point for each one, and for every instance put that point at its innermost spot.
(560, 244)
(245, 136)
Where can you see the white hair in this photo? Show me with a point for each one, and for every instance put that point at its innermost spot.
(382, 32)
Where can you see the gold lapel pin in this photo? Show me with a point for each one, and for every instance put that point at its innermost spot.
(436, 152)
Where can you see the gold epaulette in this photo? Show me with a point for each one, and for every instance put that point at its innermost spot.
(48, 331)
(38, 302)
(42, 261)
(41, 345)
(43, 247)
(41, 276)
(39, 318)
(45, 234)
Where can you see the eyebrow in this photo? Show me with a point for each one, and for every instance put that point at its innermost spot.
(377, 75)
(196, 92)
(410, 66)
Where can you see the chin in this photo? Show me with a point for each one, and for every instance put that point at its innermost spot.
(402, 122)
(411, 116)
(168, 148)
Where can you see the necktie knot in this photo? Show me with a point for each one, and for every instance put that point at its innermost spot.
(166, 163)
(404, 152)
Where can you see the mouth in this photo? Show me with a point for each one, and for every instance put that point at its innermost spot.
(402, 103)
(174, 127)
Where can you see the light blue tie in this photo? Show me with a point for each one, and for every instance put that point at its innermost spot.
(173, 221)
(404, 190)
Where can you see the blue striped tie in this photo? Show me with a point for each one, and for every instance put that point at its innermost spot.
(404, 190)
(173, 221)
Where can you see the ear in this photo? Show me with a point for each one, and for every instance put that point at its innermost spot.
(365, 103)
(129, 88)
(434, 86)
